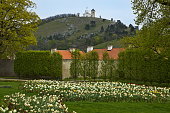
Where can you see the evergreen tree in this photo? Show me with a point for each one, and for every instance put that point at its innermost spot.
(75, 64)
(92, 59)
(102, 29)
(87, 27)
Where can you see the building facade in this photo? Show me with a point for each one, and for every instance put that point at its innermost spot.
(67, 59)
(91, 13)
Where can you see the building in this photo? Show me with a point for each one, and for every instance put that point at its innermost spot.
(113, 52)
(66, 55)
(89, 13)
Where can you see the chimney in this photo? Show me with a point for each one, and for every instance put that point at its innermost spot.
(89, 48)
(72, 49)
(109, 48)
(53, 50)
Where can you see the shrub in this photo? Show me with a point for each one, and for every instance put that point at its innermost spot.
(38, 64)
(144, 65)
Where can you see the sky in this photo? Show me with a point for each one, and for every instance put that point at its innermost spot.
(116, 9)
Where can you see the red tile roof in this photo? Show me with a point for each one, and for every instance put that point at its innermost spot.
(112, 54)
(66, 54)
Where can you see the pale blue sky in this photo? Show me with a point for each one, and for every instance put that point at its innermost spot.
(116, 9)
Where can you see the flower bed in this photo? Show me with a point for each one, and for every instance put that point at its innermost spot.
(51, 95)
(98, 91)
(19, 103)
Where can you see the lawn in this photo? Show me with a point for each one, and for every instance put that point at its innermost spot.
(6, 91)
(99, 107)
(118, 107)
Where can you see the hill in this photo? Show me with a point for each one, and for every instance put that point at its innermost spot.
(78, 32)
(116, 44)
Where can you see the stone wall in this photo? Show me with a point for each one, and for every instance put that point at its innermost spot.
(66, 69)
(7, 68)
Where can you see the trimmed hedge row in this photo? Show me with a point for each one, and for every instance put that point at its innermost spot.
(38, 64)
(144, 65)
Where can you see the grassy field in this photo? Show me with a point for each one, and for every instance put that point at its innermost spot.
(115, 43)
(6, 91)
(115, 107)
(98, 107)
(61, 25)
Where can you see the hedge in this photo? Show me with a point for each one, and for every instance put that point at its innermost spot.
(144, 65)
(38, 64)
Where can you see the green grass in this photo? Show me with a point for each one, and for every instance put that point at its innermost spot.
(115, 43)
(118, 107)
(6, 91)
(97, 107)
(12, 77)
(62, 24)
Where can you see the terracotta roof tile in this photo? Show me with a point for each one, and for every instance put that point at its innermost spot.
(115, 52)
(112, 54)
(66, 54)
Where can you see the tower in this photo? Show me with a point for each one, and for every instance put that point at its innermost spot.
(93, 13)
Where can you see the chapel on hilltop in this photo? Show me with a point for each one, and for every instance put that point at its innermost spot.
(88, 13)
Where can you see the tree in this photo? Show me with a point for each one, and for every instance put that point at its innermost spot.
(149, 49)
(154, 37)
(104, 65)
(92, 23)
(102, 29)
(132, 29)
(92, 59)
(148, 11)
(75, 64)
(155, 33)
(17, 26)
(83, 66)
(107, 66)
(87, 27)
(163, 2)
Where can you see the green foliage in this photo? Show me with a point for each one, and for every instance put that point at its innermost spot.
(38, 64)
(87, 27)
(148, 57)
(93, 23)
(107, 67)
(102, 29)
(144, 65)
(154, 36)
(104, 65)
(148, 11)
(17, 26)
(92, 67)
(88, 65)
(83, 66)
(69, 32)
(116, 44)
(155, 17)
(75, 64)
